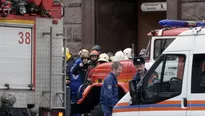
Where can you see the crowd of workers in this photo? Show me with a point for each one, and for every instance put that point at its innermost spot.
(78, 73)
(78, 68)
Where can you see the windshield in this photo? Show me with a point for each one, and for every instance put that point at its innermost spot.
(164, 79)
(160, 45)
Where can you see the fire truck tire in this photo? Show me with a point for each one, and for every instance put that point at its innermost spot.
(96, 111)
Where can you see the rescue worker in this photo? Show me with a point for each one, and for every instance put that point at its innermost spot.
(112, 59)
(78, 73)
(8, 100)
(111, 56)
(79, 60)
(103, 58)
(142, 53)
(98, 48)
(109, 89)
(94, 55)
(128, 52)
(119, 55)
(139, 63)
(69, 63)
(82, 51)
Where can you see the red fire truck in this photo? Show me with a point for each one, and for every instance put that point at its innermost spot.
(31, 41)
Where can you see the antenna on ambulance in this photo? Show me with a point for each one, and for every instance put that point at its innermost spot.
(133, 50)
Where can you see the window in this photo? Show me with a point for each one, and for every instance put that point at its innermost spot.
(160, 45)
(164, 79)
(198, 74)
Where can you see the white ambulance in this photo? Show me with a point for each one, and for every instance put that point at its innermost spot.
(181, 95)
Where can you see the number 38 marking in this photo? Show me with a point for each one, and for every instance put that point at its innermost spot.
(25, 38)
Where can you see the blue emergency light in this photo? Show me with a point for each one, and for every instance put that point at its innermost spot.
(201, 24)
(178, 23)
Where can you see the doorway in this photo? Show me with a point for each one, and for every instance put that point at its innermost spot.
(115, 24)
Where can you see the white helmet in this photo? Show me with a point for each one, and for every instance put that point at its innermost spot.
(128, 52)
(112, 58)
(126, 58)
(119, 55)
(103, 57)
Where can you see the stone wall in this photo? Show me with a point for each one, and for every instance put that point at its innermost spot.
(72, 24)
(192, 9)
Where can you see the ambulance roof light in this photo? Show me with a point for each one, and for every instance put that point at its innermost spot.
(201, 24)
(178, 23)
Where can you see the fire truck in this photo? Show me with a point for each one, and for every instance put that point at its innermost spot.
(31, 72)
(159, 41)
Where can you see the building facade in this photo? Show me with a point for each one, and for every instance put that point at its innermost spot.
(117, 24)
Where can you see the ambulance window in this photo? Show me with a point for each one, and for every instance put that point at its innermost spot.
(198, 74)
(160, 45)
(164, 80)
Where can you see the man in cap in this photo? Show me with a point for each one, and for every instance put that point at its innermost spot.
(139, 63)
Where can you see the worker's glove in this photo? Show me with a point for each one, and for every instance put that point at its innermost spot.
(81, 64)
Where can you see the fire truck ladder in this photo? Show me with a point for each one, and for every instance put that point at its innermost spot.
(60, 94)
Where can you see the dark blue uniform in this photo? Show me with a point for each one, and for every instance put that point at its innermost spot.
(153, 79)
(109, 94)
(69, 65)
(77, 78)
(137, 77)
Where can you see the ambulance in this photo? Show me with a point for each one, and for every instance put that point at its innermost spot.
(181, 95)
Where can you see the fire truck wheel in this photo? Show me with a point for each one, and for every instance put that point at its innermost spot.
(96, 111)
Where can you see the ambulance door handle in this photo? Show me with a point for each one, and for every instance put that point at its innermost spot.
(184, 100)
